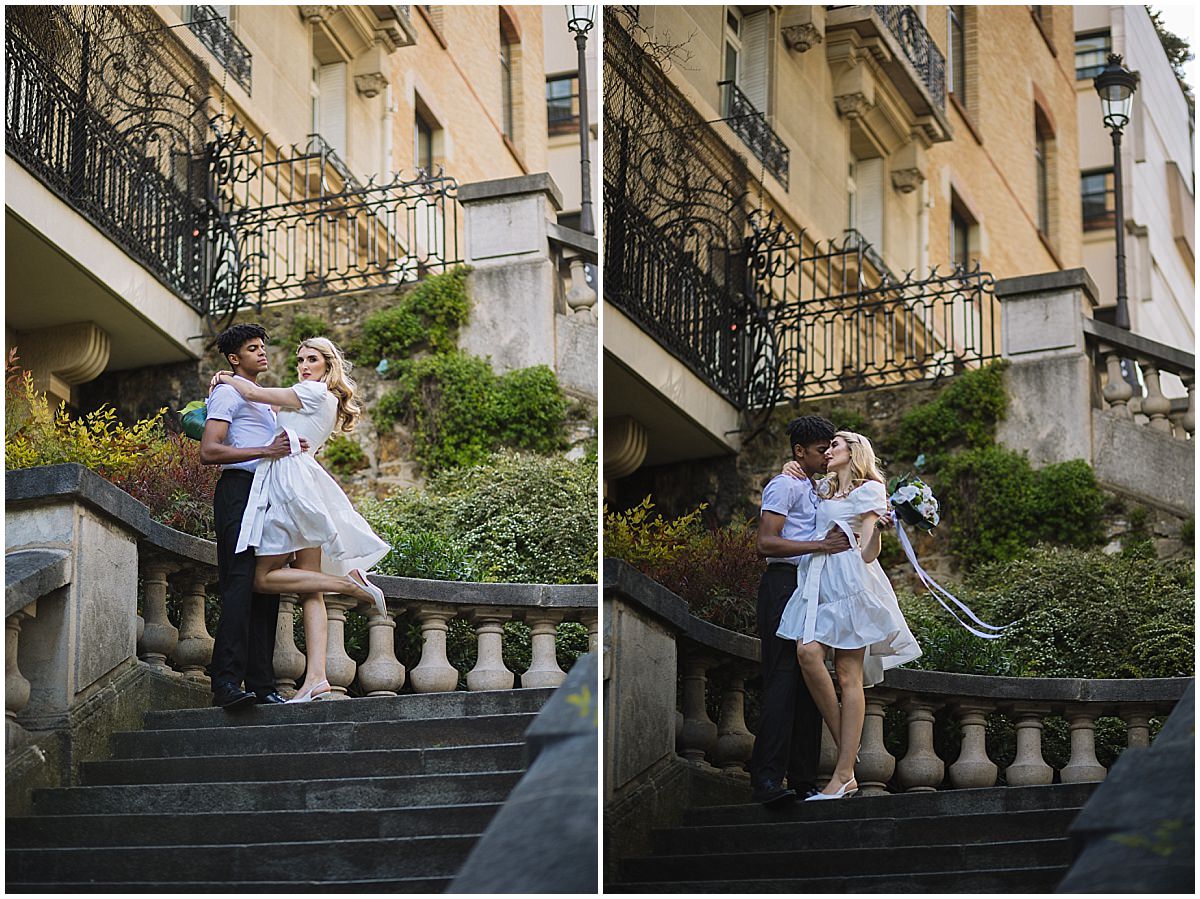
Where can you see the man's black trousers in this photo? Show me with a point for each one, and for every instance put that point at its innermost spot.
(789, 725)
(245, 642)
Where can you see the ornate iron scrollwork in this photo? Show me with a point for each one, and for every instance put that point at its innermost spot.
(214, 32)
(751, 126)
(908, 29)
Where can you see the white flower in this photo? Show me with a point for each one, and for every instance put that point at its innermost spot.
(905, 494)
(926, 510)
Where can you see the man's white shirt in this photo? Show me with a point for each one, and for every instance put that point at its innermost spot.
(795, 499)
(250, 424)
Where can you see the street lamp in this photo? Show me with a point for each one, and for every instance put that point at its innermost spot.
(1115, 85)
(580, 20)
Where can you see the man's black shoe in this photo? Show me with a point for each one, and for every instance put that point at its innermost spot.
(229, 697)
(772, 793)
(270, 698)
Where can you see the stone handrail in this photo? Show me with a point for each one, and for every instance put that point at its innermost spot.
(68, 527)
(703, 649)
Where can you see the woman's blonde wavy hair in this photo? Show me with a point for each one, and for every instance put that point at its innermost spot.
(337, 379)
(863, 465)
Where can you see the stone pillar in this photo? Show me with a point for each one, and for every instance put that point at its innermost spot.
(699, 731)
(543, 666)
(875, 765)
(339, 667)
(1083, 766)
(160, 636)
(381, 674)
(735, 743)
(1050, 378)
(1155, 406)
(490, 672)
(288, 660)
(16, 687)
(434, 673)
(590, 620)
(920, 771)
(973, 767)
(1117, 391)
(828, 758)
(195, 647)
(514, 283)
(1137, 726)
(1029, 768)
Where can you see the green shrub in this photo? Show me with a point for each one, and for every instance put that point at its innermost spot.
(302, 327)
(427, 317)
(965, 413)
(459, 411)
(343, 455)
(518, 518)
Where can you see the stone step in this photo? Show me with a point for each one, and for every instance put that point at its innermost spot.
(1026, 880)
(457, 704)
(839, 862)
(363, 793)
(865, 833)
(422, 885)
(315, 859)
(44, 831)
(319, 737)
(990, 800)
(320, 766)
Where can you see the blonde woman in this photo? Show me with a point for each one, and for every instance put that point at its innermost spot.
(297, 513)
(846, 604)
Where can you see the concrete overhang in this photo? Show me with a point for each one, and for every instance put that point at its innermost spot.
(61, 269)
(683, 417)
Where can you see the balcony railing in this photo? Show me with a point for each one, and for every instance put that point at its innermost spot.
(918, 46)
(751, 126)
(214, 32)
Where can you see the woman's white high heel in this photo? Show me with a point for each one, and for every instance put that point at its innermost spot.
(311, 694)
(840, 794)
(376, 593)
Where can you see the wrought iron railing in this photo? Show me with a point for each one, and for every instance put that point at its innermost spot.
(282, 229)
(919, 48)
(840, 321)
(214, 32)
(751, 126)
(108, 112)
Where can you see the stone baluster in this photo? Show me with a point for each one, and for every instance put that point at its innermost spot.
(734, 740)
(1083, 766)
(679, 733)
(827, 760)
(920, 771)
(1117, 391)
(699, 731)
(875, 765)
(590, 621)
(1137, 726)
(288, 660)
(1154, 405)
(159, 636)
(194, 650)
(1029, 768)
(490, 672)
(434, 673)
(339, 667)
(16, 687)
(1188, 421)
(381, 674)
(973, 768)
(543, 663)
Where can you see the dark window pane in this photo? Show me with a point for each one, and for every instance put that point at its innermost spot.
(1097, 193)
(1091, 50)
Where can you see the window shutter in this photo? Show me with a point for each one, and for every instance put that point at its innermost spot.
(754, 59)
(868, 177)
(332, 85)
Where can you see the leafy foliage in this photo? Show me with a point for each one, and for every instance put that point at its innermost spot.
(343, 455)
(965, 413)
(303, 326)
(427, 317)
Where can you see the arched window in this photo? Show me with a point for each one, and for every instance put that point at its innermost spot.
(510, 76)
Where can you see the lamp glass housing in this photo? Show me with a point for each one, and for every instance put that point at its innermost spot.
(1115, 85)
(581, 18)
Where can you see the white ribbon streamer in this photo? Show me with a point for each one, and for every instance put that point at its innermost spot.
(935, 588)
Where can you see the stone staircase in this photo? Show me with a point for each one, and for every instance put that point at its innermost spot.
(376, 794)
(1001, 839)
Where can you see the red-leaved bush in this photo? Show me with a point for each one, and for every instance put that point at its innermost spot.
(173, 484)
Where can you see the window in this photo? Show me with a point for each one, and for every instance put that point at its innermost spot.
(746, 41)
(1099, 200)
(330, 105)
(957, 67)
(960, 238)
(423, 142)
(506, 86)
(1043, 188)
(562, 103)
(1091, 51)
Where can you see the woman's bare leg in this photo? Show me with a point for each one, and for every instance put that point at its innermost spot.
(316, 623)
(270, 576)
(820, 685)
(849, 666)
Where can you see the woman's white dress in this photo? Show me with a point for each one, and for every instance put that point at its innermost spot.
(845, 603)
(294, 502)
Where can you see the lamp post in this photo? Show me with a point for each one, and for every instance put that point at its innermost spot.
(580, 20)
(1115, 85)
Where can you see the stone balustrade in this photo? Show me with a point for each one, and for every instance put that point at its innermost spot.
(711, 665)
(78, 548)
(1068, 398)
